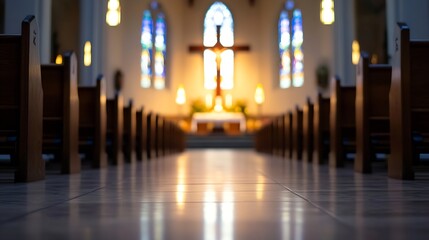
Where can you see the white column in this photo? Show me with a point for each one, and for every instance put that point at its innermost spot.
(44, 17)
(17, 10)
(91, 29)
(86, 34)
(344, 34)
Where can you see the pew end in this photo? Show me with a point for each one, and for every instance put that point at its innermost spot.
(408, 103)
(61, 113)
(93, 123)
(21, 102)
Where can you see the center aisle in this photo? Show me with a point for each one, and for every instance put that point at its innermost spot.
(215, 194)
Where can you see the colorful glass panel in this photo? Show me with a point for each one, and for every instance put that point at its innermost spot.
(298, 55)
(160, 52)
(291, 39)
(147, 48)
(284, 48)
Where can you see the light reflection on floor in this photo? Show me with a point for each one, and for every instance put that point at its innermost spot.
(219, 195)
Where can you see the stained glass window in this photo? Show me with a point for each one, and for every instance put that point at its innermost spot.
(291, 39)
(160, 52)
(284, 45)
(146, 55)
(218, 15)
(154, 48)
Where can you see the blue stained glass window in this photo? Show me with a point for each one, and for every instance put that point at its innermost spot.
(160, 53)
(298, 55)
(284, 47)
(291, 39)
(154, 48)
(146, 54)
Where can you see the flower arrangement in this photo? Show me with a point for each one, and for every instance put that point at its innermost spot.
(198, 105)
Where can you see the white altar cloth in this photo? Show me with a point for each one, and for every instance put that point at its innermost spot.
(218, 118)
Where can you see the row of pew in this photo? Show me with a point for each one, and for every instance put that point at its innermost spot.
(43, 112)
(385, 116)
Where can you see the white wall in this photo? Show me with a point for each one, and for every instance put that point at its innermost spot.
(254, 25)
(413, 12)
(17, 10)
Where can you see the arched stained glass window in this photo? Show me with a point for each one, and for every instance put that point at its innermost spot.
(291, 39)
(160, 52)
(218, 15)
(154, 48)
(146, 55)
(284, 46)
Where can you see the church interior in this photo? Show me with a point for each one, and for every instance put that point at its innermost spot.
(214, 119)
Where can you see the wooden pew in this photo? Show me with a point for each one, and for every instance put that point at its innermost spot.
(263, 139)
(274, 136)
(409, 104)
(281, 135)
(93, 123)
(288, 135)
(140, 133)
(150, 135)
(129, 132)
(159, 134)
(61, 112)
(307, 131)
(166, 137)
(321, 129)
(276, 133)
(114, 133)
(297, 134)
(342, 123)
(270, 140)
(181, 138)
(372, 112)
(21, 102)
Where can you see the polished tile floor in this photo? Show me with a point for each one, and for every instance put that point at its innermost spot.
(216, 194)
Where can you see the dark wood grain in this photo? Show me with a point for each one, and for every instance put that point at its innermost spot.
(342, 123)
(307, 131)
(93, 123)
(21, 102)
(372, 112)
(61, 112)
(114, 133)
(129, 132)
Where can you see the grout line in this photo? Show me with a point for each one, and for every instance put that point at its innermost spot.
(332, 215)
(47, 207)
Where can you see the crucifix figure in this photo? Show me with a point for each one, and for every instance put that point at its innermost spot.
(218, 48)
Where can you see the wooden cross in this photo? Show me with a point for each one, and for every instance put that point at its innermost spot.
(218, 48)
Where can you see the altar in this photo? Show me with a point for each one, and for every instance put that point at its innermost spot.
(218, 118)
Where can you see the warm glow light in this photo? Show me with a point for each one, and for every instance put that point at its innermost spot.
(218, 104)
(181, 95)
(355, 52)
(210, 215)
(113, 15)
(228, 100)
(327, 13)
(87, 54)
(181, 180)
(210, 70)
(227, 69)
(259, 94)
(374, 59)
(260, 188)
(209, 101)
(59, 59)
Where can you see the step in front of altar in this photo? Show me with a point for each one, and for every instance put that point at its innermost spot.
(219, 141)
